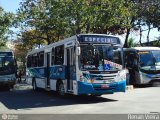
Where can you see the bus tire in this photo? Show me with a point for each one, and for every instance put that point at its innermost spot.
(7, 88)
(34, 85)
(95, 95)
(60, 89)
(11, 86)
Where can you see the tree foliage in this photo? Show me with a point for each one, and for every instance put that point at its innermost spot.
(57, 19)
(131, 43)
(6, 20)
(144, 13)
(48, 21)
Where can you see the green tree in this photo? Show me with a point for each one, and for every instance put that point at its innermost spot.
(151, 15)
(57, 18)
(131, 42)
(20, 53)
(6, 20)
(37, 15)
(33, 39)
(144, 13)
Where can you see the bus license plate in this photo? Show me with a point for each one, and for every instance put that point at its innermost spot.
(104, 86)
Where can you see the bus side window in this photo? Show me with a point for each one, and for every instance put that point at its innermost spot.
(128, 59)
(35, 60)
(29, 60)
(53, 54)
(59, 55)
(132, 60)
(41, 59)
(117, 57)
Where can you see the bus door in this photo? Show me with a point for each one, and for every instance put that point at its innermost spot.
(132, 64)
(70, 68)
(47, 82)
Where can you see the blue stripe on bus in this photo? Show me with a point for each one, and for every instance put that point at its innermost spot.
(56, 72)
(153, 75)
(36, 72)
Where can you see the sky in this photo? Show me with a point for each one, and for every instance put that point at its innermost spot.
(10, 5)
(13, 5)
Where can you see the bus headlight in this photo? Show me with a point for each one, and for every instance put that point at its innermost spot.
(92, 80)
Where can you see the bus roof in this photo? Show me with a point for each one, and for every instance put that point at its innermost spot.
(99, 34)
(142, 48)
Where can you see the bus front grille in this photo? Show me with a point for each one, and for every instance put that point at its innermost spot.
(101, 88)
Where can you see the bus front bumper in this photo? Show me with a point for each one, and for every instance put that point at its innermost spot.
(99, 89)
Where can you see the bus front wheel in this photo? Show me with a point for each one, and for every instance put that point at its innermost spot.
(60, 89)
(95, 95)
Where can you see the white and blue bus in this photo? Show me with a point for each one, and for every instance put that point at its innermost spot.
(90, 64)
(8, 69)
(143, 64)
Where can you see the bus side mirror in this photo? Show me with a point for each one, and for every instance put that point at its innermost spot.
(78, 51)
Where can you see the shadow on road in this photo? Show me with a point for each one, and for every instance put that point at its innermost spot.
(142, 86)
(3, 89)
(23, 99)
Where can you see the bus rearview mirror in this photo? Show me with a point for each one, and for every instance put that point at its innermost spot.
(78, 51)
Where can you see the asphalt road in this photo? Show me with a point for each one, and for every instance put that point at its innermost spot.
(22, 100)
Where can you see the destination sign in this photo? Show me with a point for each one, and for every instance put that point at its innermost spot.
(98, 39)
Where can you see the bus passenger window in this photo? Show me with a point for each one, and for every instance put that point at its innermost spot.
(59, 55)
(52, 61)
(41, 59)
(35, 60)
(29, 59)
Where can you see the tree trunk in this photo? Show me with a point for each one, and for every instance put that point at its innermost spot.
(149, 29)
(48, 40)
(126, 39)
(128, 32)
(140, 37)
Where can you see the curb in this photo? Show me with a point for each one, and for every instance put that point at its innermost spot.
(129, 87)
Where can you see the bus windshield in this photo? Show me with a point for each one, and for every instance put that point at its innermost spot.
(100, 57)
(7, 65)
(150, 58)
